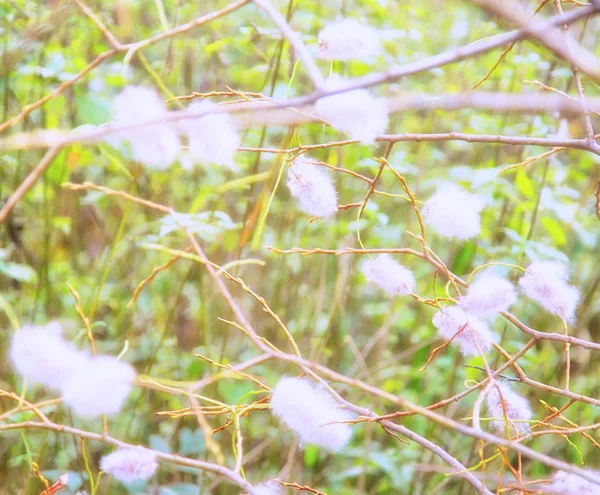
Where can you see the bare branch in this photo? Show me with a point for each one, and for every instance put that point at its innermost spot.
(546, 34)
(295, 41)
(28, 183)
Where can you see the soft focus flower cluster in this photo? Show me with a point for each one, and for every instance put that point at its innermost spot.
(90, 386)
(488, 295)
(311, 413)
(312, 186)
(268, 488)
(564, 483)
(389, 275)
(471, 334)
(453, 212)
(468, 323)
(212, 138)
(130, 464)
(359, 114)
(348, 39)
(516, 409)
(547, 283)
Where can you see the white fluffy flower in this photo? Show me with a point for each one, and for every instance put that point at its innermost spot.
(212, 138)
(312, 186)
(348, 39)
(546, 282)
(517, 408)
(99, 386)
(450, 320)
(40, 354)
(268, 488)
(308, 410)
(390, 275)
(453, 212)
(154, 145)
(130, 464)
(564, 483)
(488, 295)
(358, 113)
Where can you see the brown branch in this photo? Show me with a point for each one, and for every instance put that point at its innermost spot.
(165, 457)
(423, 65)
(27, 109)
(255, 113)
(548, 35)
(296, 42)
(28, 183)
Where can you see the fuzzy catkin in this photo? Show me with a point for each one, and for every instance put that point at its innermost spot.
(546, 282)
(564, 483)
(309, 411)
(212, 138)
(99, 386)
(42, 356)
(388, 274)
(155, 145)
(359, 114)
(453, 212)
(469, 333)
(268, 488)
(312, 186)
(130, 464)
(517, 409)
(488, 295)
(348, 39)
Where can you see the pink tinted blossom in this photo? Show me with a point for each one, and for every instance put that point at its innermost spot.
(268, 488)
(348, 39)
(488, 295)
(309, 411)
(212, 138)
(546, 282)
(466, 331)
(453, 212)
(130, 464)
(156, 145)
(516, 409)
(42, 356)
(99, 386)
(564, 483)
(312, 186)
(359, 114)
(390, 275)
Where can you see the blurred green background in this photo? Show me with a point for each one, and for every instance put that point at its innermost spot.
(96, 242)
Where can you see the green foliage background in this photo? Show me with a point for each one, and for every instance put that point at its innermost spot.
(97, 243)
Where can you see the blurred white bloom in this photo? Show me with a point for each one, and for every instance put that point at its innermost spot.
(268, 488)
(488, 295)
(564, 483)
(450, 320)
(348, 39)
(154, 145)
(546, 282)
(40, 354)
(453, 212)
(99, 386)
(310, 184)
(362, 116)
(307, 410)
(130, 464)
(212, 138)
(516, 407)
(390, 275)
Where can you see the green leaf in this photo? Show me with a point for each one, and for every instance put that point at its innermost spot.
(16, 271)
(524, 184)
(555, 229)
(311, 456)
